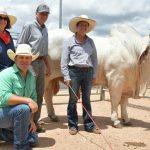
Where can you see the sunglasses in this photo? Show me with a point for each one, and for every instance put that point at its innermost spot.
(5, 18)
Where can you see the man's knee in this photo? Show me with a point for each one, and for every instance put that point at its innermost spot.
(23, 109)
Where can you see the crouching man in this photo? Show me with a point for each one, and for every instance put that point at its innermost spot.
(18, 100)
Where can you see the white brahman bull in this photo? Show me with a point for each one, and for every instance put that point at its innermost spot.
(123, 66)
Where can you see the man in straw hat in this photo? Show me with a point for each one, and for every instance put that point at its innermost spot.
(6, 41)
(78, 65)
(18, 100)
(35, 34)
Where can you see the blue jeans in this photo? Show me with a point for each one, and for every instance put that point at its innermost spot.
(14, 127)
(80, 78)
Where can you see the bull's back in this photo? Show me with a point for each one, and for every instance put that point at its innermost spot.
(115, 61)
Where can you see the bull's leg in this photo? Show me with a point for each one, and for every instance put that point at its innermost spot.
(50, 87)
(115, 90)
(114, 114)
(124, 114)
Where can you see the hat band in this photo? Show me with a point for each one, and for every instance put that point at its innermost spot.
(24, 54)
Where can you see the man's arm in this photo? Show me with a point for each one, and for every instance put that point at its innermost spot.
(24, 35)
(47, 64)
(15, 100)
(94, 60)
(65, 56)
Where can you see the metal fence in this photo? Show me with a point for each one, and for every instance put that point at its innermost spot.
(96, 90)
(15, 37)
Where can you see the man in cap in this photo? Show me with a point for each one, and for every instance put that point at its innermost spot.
(36, 35)
(18, 100)
(78, 65)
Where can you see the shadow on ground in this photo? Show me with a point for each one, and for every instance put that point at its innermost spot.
(46, 142)
(101, 122)
(5, 146)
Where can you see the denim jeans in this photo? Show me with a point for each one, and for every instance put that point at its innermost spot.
(14, 127)
(80, 78)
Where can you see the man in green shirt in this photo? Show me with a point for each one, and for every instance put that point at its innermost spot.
(18, 100)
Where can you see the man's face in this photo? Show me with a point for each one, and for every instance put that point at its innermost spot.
(42, 17)
(82, 27)
(23, 62)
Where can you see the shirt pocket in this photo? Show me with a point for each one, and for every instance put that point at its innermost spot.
(36, 32)
(30, 90)
(18, 88)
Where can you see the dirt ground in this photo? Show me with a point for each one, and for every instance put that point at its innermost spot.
(57, 137)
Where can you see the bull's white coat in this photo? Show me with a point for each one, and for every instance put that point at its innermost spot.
(122, 67)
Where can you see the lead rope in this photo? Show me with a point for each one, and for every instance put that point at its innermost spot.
(78, 99)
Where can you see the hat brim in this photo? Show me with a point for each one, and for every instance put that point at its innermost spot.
(74, 21)
(43, 11)
(12, 18)
(12, 55)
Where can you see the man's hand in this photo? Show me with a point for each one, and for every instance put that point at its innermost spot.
(32, 128)
(67, 82)
(33, 105)
(47, 65)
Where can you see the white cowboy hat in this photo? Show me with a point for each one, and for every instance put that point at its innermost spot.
(22, 49)
(12, 18)
(73, 23)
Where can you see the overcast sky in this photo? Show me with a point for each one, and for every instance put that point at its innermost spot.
(105, 12)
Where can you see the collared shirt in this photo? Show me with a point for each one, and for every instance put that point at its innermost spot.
(79, 55)
(11, 82)
(36, 36)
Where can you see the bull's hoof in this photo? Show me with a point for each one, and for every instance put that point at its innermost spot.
(117, 124)
(126, 123)
(54, 118)
(41, 122)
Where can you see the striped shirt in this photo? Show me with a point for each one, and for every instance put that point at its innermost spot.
(79, 55)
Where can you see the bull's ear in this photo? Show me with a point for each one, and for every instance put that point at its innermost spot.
(142, 57)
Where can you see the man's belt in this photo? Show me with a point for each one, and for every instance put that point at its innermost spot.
(80, 68)
(40, 58)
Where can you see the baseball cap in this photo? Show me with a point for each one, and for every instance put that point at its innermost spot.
(43, 8)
